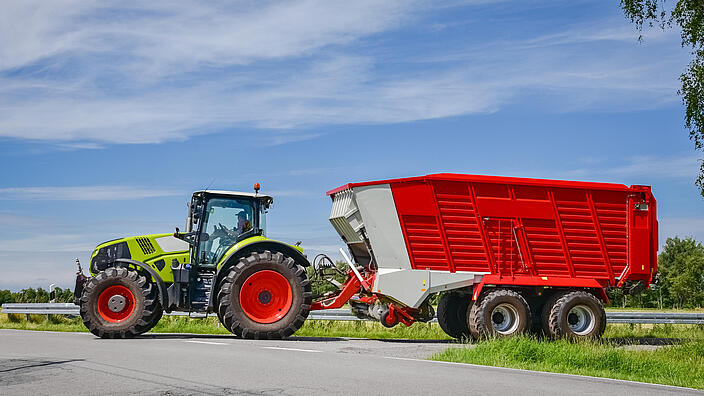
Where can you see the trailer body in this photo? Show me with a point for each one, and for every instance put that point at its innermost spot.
(441, 232)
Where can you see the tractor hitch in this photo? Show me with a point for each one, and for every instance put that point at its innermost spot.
(80, 283)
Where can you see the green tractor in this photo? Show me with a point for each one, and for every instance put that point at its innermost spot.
(222, 263)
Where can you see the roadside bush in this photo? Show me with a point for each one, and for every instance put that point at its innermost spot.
(15, 318)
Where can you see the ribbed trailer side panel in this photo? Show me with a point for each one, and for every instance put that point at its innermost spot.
(520, 229)
(524, 250)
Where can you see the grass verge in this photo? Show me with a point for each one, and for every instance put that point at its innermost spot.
(679, 365)
(182, 324)
(326, 328)
(683, 332)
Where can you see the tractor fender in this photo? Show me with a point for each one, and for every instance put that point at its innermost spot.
(155, 276)
(244, 251)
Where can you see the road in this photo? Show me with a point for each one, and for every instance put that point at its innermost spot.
(48, 363)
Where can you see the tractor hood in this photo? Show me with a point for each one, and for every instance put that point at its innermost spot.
(152, 249)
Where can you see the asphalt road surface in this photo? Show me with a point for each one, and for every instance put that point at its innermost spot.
(47, 363)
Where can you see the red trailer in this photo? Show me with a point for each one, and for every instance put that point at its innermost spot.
(507, 254)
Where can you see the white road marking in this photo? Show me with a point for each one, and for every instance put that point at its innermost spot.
(208, 342)
(292, 349)
(605, 379)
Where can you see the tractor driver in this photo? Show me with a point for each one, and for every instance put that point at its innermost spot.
(243, 225)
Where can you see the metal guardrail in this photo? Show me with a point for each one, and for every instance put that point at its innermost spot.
(344, 314)
(655, 317)
(41, 308)
(72, 309)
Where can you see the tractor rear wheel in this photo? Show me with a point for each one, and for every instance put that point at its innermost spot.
(452, 314)
(265, 296)
(499, 313)
(156, 318)
(119, 303)
(577, 315)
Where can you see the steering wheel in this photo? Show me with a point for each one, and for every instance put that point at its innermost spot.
(221, 232)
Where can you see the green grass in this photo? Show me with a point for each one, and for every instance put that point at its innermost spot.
(182, 324)
(352, 329)
(680, 365)
(683, 332)
(368, 329)
(40, 322)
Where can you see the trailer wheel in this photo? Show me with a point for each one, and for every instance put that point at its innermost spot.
(119, 303)
(452, 314)
(577, 315)
(265, 296)
(545, 314)
(499, 313)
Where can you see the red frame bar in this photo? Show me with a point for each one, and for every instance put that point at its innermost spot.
(561, 231)
(351, 287)
(600, 236)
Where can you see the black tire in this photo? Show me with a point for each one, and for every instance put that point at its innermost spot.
(452, 314)
(236, 318)
(545, 313)
(499, 313)
(134, 290)
(156, 318)
(577, 315)
(384, 315)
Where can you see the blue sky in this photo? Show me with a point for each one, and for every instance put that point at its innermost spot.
(112, 113)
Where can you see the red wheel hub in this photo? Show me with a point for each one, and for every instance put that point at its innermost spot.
(115, 303)
(266, 296)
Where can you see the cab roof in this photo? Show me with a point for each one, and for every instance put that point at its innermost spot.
(236, 194)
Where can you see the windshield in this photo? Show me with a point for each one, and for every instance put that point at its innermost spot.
(224, 221)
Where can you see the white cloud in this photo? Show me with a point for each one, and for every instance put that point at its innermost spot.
(44, 269)
(644, 166)
(83, 193)
(173, 36)
(652, 167)
(105, 72)
(681, 227)
(643, 169)
(685, 166)
(47, 243)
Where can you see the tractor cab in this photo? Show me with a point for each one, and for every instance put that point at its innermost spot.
(217, 220)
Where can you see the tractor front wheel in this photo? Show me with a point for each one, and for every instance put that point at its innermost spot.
(119, 303)
(265, 296)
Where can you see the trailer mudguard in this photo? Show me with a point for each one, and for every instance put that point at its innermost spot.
(155, 276)
(258, 244)
(591, 284)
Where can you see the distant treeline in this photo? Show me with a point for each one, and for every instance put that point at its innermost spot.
(32, 295)
(680, 285)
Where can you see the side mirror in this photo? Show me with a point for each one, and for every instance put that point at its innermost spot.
(190, 237)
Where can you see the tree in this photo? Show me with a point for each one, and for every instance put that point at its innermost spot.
(681, 269)
(689, 16)
(6, 297)
(31, 295)
(336, 271)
